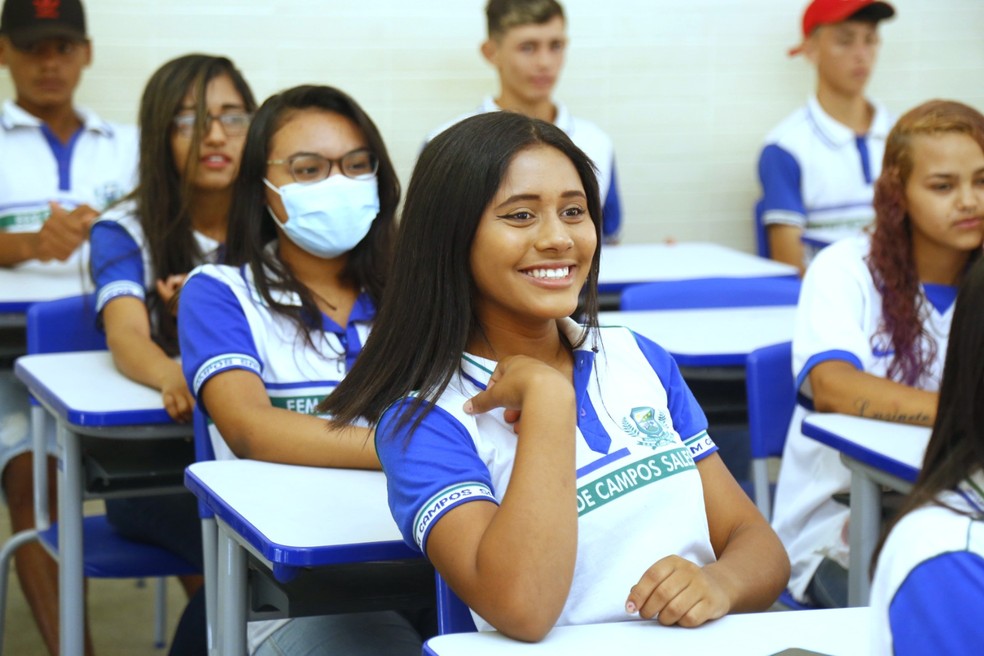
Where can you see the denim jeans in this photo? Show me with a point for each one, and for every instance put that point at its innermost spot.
(352, 634)
(828, 587)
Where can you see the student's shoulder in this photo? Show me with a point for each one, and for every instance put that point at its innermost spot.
(792, 129)
(223, 274)
(122, 215)
(481, 109)
(581, 130)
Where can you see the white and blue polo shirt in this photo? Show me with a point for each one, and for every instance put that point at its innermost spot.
(639, 495)
(594, 142)
(928, 587)
(120, 258)
(816, 173)
(225, 324)
(97, 166)
(838, 317)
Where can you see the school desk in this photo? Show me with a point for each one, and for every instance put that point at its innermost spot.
(280, 527)
(709, 337)
(843, 631)
(87, 396)
(630, 264)
(877, 453)
(32, 282)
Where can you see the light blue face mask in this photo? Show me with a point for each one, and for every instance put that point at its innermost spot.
(329, 217)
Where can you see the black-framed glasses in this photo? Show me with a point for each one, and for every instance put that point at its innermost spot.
(310, 167)
(234, 124)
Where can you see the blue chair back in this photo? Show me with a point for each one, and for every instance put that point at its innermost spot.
(453, 615)
(761, 235)
(771, 400)
(711, 293)
(68, 324)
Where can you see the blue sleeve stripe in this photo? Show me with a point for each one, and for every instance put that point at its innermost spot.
(834, 354)
(115, 289)
(701, 445)
(784, 217)
(219, 363)
(443, 501)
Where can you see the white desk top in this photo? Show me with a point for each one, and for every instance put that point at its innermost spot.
(85, 389)
(894, 448)
(302, 516)
(32, 282)
(626, 264)
(842, 631)
(714, 337)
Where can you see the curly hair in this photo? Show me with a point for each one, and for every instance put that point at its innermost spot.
(891, 260)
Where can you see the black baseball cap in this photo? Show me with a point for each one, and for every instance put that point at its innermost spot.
(25, 22)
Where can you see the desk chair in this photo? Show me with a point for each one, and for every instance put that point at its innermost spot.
(711, 293)
(453, 615)
(56, 327)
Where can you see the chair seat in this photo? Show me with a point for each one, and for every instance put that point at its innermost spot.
(109, 555)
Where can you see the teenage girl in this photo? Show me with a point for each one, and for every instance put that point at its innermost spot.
(551, 472)
(931, 568)
(271, 333)
(872, 325)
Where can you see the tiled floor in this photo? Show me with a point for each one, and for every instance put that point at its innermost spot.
(121, 613)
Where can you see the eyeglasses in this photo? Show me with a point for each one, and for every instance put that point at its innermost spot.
(309, 167)
(234, 124)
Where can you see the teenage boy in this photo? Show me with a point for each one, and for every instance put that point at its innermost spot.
(527, 41)
(818, 167)
(59, 166)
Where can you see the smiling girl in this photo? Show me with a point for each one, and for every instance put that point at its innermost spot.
(873, 322)
(551, 472)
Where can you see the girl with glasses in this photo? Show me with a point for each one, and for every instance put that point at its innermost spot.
(193, 118)
(269, 334)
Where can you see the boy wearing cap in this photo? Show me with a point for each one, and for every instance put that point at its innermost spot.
(59, 166)
(818, 167)
(527, 40)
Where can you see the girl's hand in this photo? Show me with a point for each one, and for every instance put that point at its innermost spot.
(514, 377)
(178, 400)
(168, 291)
(677, 591)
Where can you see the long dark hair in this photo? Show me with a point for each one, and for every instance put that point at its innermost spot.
(163, 195)
(956, 447)
(891, 261)
(428, 316)
(251, 227)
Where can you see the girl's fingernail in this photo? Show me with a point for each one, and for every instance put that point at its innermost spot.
(468, 407)
(630, 608)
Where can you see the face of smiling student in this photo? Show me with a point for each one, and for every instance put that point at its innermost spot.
(534, 244)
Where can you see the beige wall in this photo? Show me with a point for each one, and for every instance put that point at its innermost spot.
(687, 90)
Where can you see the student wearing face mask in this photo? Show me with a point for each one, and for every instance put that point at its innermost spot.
(269, 334)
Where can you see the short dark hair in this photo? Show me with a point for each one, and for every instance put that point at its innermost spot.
(427, 315)
(503, 15)
(251, 227)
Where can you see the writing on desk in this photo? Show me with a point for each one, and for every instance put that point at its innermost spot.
(863, 406)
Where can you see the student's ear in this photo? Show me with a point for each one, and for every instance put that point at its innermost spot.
(489, 49)
(811, 47)
(3, 51)
(87, 45)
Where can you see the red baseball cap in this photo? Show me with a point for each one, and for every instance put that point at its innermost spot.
(827, 12)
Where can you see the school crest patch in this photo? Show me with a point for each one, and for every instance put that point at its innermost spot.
(651, 427)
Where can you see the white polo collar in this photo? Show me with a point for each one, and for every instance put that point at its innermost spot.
(838, 134)
(15, 116)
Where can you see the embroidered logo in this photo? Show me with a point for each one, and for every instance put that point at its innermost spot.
(652, 428)
(46, 8)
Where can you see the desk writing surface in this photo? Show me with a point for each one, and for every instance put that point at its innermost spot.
(844, 632)
(626, 264)
(897, 449)
(32, 282)
(712, 337)
(302, 516)
(86, 389)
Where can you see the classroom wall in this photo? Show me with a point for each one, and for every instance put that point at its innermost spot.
(687, 90)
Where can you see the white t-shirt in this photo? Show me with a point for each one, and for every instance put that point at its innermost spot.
(837, 318)
(639, 494)
(928, 588)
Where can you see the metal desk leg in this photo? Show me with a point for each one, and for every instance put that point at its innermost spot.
(863, 533)
(210, 556)
(231, 600)
(71, 596)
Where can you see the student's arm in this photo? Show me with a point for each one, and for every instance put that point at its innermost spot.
(253, 428)
(61, 233)
(514, 563)
(139, 358)
(839, 386)
(786, 244)
(751, 568)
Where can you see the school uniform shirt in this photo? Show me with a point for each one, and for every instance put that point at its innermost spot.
(97, 167)
(594, 142)
(837, 318)
(639, 495)
(817, 173)
(120, 259)
(929, 583)
(225, 324)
